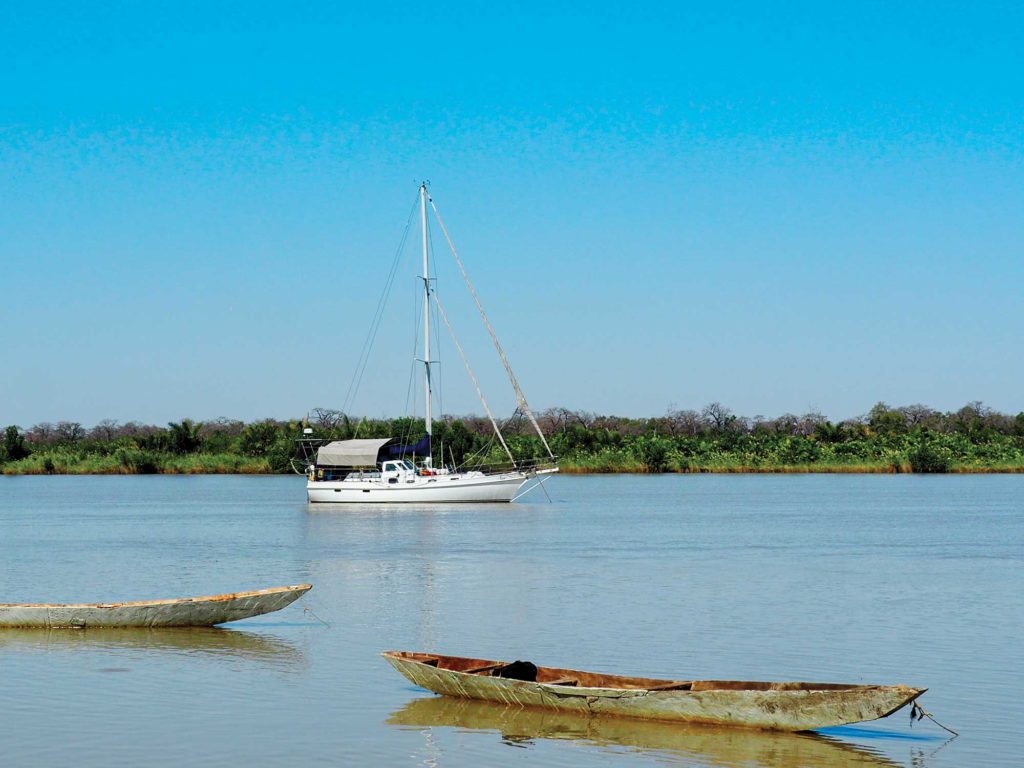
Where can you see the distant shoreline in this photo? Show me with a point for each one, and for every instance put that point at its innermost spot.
(801, 470)
(261, 468)
(907, 440)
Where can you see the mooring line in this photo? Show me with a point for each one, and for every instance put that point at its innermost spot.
(311, 612)
(918, 710)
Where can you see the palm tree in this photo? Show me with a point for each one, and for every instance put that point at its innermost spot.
(184, 436)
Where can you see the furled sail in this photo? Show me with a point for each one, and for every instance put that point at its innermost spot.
(422, 448)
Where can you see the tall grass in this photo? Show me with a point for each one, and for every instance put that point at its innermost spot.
(136, 462)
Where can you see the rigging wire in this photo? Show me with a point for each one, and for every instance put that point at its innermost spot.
(494, 338)
(440, 375)
(364, 354)
(480, 455)
(469, 370)
(410, 390)
(437, 331)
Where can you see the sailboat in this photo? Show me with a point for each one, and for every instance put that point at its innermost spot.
(382, 471)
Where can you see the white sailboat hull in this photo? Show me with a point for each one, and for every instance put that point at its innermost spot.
(445, 489)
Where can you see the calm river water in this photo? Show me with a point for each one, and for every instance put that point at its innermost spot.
(918, 580)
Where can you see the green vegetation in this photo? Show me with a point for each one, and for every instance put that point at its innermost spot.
(908, 439)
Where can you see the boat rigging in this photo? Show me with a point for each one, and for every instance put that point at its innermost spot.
(388, 471)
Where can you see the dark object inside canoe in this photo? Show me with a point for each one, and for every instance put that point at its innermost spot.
(517, 670)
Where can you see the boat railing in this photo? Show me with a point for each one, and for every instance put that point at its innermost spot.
(529, 466)
(331, 474)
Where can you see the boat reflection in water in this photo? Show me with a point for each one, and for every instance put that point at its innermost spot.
(199, 641)
(705, 745)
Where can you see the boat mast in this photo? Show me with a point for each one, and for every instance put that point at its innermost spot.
(428, 418)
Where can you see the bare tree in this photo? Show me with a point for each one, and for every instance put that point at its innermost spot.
(623, 425)
(808, 423)
(717, 416)
(222, 426)
(920, 415)
(129, 429)
(104, 430)
(686, 422)
(328, 418)
(514, 424)
(478, 425)
(554, 420)
(135, 429)
(761, 424)
(40, 433)
(584, 418)
(70, 431)
(976, 415)
(786, 424)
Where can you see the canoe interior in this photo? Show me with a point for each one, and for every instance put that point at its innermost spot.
(573, 677)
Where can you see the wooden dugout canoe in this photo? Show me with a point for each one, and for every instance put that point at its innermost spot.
(778, 706)
(180, 612)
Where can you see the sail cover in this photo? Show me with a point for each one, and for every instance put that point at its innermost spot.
(422, 448)
(350, 453)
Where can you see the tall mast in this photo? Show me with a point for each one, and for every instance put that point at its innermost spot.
(428, 419)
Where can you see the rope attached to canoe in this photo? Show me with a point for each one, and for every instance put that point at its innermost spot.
(917, 713)
(311, 612)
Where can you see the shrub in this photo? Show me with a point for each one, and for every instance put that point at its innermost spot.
(653, 453)
(926, 458)
(136, 460)
(259, 438)
(13, 447)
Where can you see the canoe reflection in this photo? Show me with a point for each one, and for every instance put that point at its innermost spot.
(205, 641)
(706, 744)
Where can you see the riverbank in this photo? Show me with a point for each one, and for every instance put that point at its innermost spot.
(803, 469)
(226, 464)
(913, 439)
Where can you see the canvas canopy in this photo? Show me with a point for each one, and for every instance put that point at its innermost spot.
(350, 453)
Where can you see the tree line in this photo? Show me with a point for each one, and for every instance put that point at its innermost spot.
(907, 438)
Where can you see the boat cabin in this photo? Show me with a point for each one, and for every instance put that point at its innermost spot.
(397, 471)
(372, 459)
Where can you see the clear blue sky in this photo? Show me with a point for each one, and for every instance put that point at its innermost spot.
(776, 206)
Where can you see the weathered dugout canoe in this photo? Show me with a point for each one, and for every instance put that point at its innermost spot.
(778, 706)
(180, 612)
(693, 742)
